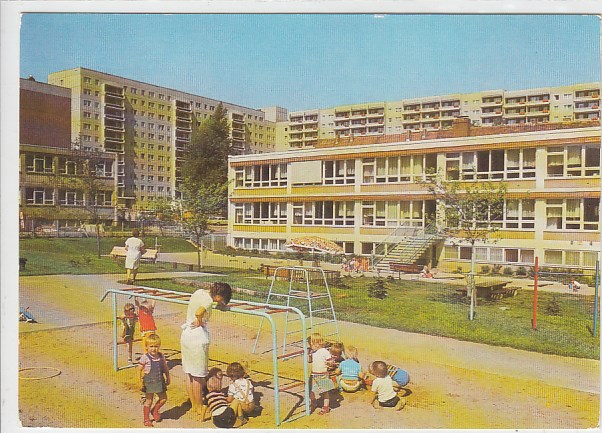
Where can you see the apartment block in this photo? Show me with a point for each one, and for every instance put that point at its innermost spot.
(484, 108)
(149, 127)
(365, 193)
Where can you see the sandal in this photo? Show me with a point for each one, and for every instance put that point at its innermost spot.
(324, 410)
(148, 423)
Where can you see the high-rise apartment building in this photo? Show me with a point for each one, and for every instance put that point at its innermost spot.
(484, 108)
(149, 127)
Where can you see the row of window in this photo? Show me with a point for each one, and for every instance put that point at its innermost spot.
(521, 256)
(579, 160)
(39, 163)
(561, 214)
(48, 196)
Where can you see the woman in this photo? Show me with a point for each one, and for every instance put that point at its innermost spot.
(195, 339)
(134, 248)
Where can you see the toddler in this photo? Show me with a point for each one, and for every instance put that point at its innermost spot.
(146, 319)
(154, 376)
(241, 388)
(224, 415)
(321, 384)
(128, 320)
(350, 379)
(382, 388)
(400, 377)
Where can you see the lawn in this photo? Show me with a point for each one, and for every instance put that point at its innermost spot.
(49, 256)
(564, 320)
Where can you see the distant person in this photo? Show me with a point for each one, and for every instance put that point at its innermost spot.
(146, 319)
(426, 272)
(383, 394)
(128, 320)
(134, 248)
(195, 339)
(574, 285)
(154, 378)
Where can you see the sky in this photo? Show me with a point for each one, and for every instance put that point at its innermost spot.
(302, 61)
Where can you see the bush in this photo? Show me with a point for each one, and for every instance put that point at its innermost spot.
(521, 270)
(485, 269)
(508, 271)
(377, 289)
(496, 269)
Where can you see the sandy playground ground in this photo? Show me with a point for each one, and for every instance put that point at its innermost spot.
(454, 384)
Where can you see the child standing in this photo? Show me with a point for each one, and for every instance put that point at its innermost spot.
(146, 309)
(154, 376)
(240, 389)
(224, 415)
(350, 379)
(382, 388)
(128, 320)
(321, 384)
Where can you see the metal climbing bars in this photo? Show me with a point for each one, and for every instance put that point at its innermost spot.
(265, 311)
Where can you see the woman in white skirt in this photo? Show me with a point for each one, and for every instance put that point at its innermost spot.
(134, 248)
(195, 339)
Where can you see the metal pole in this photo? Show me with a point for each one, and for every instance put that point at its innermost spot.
(535, 282)
(275, 362)
(596, 305)
(115, 331)
(472, 284)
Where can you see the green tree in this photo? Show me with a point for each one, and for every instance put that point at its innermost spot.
(468, 213)
(164, 212)
(205, 176)
(378, 289)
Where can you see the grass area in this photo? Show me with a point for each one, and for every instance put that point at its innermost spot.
(49, 256)
(437, 309)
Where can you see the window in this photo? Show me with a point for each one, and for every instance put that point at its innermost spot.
(519, 214)
(39, 163)
(261, 175)
(69, 198)
(339, 172)
(572, 214)
(393, 213)
(339, 213)
(39, 195)
(87, 80)
(67, 167)
(260, 213)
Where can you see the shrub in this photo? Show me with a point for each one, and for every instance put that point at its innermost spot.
(496, 269)
(521, 270)
(485, 269)
(377, 289)
(508, 271)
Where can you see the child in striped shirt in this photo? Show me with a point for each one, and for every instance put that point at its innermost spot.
(223, 414)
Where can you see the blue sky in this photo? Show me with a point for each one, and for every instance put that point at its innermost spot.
(318, 61)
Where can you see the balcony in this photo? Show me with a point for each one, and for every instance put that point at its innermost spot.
(515, 114)
(296, 119)
(411, 120)
(430, 107)
(587, 108)
(489, 102)
(358, 125)
(114, 90)
(341, 115)
(341, 126)
(450, 104)
(411, 108)
(587, 95)
(113, 113)
(496, 113)
(184, 106)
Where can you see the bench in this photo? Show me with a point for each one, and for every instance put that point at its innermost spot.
(504, 292)
(408, 268)
(119, 252)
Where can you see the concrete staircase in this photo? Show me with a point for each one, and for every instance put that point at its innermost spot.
(406, 250)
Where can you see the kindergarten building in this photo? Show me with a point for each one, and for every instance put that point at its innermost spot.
(363, 192)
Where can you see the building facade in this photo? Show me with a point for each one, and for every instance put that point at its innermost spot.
(359, 192)
(149, 127)
(579, 102)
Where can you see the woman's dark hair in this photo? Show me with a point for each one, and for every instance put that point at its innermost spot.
(235, 371)
(222, 289)
(135, 233)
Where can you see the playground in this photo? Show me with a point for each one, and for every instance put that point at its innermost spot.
(68, 379)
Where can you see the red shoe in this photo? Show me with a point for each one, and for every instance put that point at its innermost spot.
(324, 410)
(155, 411)
(147, 421)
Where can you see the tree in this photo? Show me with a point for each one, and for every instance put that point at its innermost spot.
(90, 182)
(469, 213)
(378, 289)
(163, 212)
(205, 176)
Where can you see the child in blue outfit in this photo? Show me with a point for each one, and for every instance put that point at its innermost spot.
(154, 375)
(351, 375)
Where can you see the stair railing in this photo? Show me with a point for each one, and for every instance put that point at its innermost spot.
(426, 234)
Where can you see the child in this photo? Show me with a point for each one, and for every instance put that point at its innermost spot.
(382, 388)
(241, 388)
(321, 384)
(146, 319)
(154, 374)
(224, 415)
(350, 379)
(336, 356)
(400, 377)
(129, 320)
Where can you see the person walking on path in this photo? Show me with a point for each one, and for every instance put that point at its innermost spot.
(134, 248)
(195, 339)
